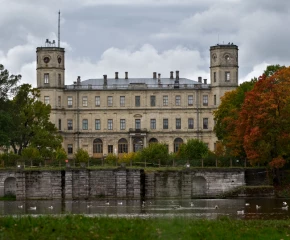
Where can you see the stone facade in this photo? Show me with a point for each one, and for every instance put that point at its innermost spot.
(119, 183)
(123, 114)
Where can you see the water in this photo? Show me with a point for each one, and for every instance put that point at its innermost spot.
(196, 208)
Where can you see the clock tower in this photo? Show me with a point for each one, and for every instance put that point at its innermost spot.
(50, 66)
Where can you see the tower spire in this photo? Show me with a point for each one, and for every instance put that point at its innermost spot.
(58, 29)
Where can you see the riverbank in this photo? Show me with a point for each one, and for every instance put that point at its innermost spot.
(81, 227)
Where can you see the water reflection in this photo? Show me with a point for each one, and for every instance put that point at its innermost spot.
(195, 208)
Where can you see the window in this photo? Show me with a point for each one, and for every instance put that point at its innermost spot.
(122, 101)
(98, 124)
(190, 100)
(59, 124)
(59, 101)
(214, 99)
(178, 123)
(69, 102)
(122, 124)
(205, 123)
(152, 101)
(46, 100)
(110, 149)
(97, 146)
(69, 124)
(190, 123)
(110, 124)
(122, 146)
(214, 76)
(227, 76)
(177, 100)
(165, 100)
(85, 101)
(46, 78)
(138, 123)
(205, 100)
(110, 101)
(85, 124)
(165, 123)
(153, 123)
(69, 148)
(176, 144)
(59, 79)
(98, 101)
(137, 101)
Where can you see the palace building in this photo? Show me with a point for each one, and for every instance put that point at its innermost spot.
(122, 114)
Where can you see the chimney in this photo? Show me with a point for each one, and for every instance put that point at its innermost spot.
(116, 75)
(78, 80)
(177, 74)
(126, 75)
(154, 75)
(105, 80)
(205, 81)
(199, 79)
(171, 75)
(159, 78)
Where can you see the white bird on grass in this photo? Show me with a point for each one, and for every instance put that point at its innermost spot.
(240, 212)
(285, 208)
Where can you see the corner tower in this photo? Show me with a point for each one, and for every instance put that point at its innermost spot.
(50, 66)
(224, 65)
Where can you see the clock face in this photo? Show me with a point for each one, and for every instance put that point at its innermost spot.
(59, 59)
(46, 59)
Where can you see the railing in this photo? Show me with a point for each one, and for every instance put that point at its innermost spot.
(136, 86)
(137, 130)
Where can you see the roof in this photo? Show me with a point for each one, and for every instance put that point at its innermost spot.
(148, 81)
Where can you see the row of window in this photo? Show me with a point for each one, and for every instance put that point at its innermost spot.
(85, 124)
(123, 146)
(137, 101)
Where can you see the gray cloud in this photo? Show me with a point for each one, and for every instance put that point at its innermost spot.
(141, 36)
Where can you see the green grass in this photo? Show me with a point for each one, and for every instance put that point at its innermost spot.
(81, 227)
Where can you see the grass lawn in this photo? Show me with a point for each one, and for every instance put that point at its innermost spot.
(81, 227)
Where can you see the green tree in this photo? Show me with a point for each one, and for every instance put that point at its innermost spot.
(31, 124)
(8, 85)
(154, 153)
(60, 155)
(193, 149)
(31, 154)
(81, 156)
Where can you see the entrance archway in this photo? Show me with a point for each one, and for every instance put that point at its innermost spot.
(10, 186)
(138, 144)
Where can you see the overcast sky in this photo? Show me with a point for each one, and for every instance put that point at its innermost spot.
(142, 36)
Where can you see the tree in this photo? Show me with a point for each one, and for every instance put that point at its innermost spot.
(193, 149)
(155, 152)
(81, 156)
(60, 155)
(264, 121)
(8, 85)
(31, 124)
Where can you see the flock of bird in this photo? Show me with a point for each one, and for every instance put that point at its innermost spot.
(239, 212)
(242, 212)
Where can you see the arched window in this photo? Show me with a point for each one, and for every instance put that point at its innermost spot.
(98, 146)
(153, 140)
(177, 143)
(137, 144)
(122, 146)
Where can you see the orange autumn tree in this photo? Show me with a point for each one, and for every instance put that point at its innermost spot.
(264, 121)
